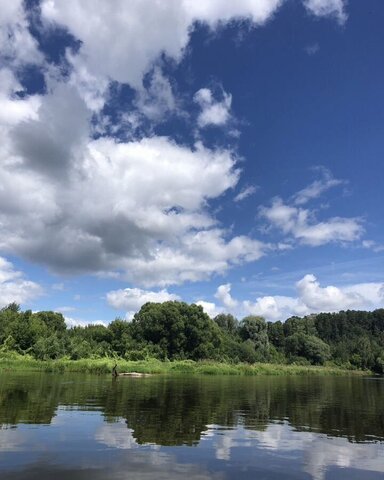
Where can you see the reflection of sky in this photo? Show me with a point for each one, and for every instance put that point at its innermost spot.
(81, 445)
(315, 453)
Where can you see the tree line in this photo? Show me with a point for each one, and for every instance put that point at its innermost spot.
(178, 331)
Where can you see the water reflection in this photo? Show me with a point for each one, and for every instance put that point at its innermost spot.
(74, 426)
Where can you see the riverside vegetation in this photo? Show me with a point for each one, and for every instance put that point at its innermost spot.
(177, 337)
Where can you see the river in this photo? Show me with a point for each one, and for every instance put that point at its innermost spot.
(80, 427)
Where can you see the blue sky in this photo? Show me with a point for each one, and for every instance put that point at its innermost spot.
(228, 154)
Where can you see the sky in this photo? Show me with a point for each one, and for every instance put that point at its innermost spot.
(228, 154)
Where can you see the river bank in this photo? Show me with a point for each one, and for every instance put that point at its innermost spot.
(104, 366)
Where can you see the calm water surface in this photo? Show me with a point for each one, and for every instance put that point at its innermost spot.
(80, 427)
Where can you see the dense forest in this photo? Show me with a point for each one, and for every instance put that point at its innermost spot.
(178, 331)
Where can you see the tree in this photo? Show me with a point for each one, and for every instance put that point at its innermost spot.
(53, 320)
(304, 325)
(227, 322)
(308, 346)
(181, 330)
(255, 329)
(276, 334)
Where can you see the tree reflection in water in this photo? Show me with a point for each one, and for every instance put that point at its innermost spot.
(178, 410)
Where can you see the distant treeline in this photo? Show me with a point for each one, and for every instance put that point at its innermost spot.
(178, 331)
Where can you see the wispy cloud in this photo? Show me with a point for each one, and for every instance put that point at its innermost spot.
(244, 193)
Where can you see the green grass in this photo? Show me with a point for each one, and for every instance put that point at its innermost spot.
(14, 361)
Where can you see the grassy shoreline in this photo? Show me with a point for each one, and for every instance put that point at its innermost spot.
(104, 366)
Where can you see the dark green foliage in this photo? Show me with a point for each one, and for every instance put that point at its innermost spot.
(309, 347)
(54, 321)
(178, 331)
(276, 334)
(254, 329)
(228, 323)
(47, 348)
(300, 325)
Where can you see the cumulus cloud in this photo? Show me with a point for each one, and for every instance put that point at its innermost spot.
(99, 205)
(210, 308)
(313, 298)
(328, 298)
(213, 112)
(49, 143)
(302, 225)
(132, 299)
(139, 208)
(18, 46)
(277, 307)
(14, 287)
(142, 30)
(80, 322)
(158, 100)
(14, 109)
(223, 293)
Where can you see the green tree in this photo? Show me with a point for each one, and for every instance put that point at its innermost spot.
(181, 330)
(53, 320)
(276, 334)
(227, 322)
(307, 346)
(255, 329)
(304, 325)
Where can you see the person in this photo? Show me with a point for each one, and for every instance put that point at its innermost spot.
(114, 371)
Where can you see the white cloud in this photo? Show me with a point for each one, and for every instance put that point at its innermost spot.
(132, 299)
(210, 308)
(12, 108)
(14, 287)
(302, 225)
(277, 307)
(312, 298)
(213, 112)
(316, 188)
(64, 309)
(158, 99)
(79, 322)
(244, 193)
(196, 257)
(138, 208)
(97, 205)
(312, 49)
(322, 8)
(373, 245)
(328, 298)
(93, 89)
(137, 32)
(223, 294)
(18, 46)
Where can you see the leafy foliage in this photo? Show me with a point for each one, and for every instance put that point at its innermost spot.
(178, 331)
